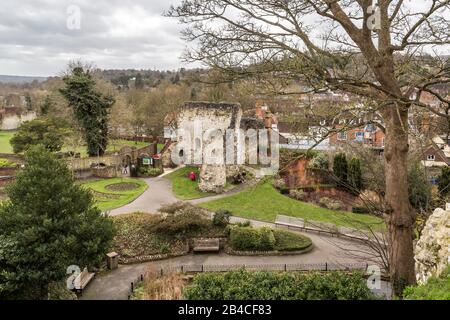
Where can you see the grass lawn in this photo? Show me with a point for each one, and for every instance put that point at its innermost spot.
(5, 146)
(108, 199)
(182, 187)
(264, 202)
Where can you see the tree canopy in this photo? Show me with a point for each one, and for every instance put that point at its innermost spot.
(48, 132)
(48, 224)
(90, 107)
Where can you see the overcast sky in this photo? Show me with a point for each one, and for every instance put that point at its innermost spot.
(122, 34)
(40, 37)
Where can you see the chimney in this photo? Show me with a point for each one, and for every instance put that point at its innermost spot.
(268, 121)
(259, 112)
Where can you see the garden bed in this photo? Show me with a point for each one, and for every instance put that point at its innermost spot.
(250, 241)
(108, 199)
(145, 237)
(122, 186)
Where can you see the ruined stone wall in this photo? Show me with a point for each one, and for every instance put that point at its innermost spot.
(198, 147)
(13, 121)
(432, 251)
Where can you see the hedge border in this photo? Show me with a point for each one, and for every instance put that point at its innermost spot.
(230, 251)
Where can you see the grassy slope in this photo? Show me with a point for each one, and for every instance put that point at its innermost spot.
(124, 197)
(182, 187)
(264, 203)
(434, 289)
(5, 146)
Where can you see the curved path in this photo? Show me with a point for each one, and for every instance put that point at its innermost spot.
(158, 193)
(116, 284)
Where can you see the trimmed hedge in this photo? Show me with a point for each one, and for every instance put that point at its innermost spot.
(250, 239)
(246, 285)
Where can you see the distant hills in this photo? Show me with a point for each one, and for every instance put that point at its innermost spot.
(20, 79)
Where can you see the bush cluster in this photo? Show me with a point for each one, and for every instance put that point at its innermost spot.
(331, 203)
(221, 218)
(250, 239)
(149, 172)
(246, 285)
(5, 163)
(298, 194)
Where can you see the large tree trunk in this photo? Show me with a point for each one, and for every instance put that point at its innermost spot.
(400, 215)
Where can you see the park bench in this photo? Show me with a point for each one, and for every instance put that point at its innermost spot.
(82, 280)
(207, 245)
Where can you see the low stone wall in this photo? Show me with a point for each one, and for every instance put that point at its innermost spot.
(6, 180)
(8, 171)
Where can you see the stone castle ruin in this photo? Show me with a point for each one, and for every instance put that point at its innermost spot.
(13, 112)
(206, 123)
(216, 137)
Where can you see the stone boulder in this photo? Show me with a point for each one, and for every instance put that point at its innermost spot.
(432, 251)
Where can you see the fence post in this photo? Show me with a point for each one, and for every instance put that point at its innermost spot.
(202, 268)
(326, 266)
(162, 272)
(285, 267)
(182, 269)
(132, 287)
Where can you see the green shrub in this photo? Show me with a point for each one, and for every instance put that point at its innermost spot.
(246, 223)
(149, 172)
(434, 289)
(297, 194)
(174, 207)
(289, 241)
(444, 181)
(251, 239)
(319, 162)
(183, 222)
(5, 163)
(331, 203)
(361, 209)
(340, 168)
(246, 285)
(221, 217)
(266, 239)
(354, 175)
(419, 186)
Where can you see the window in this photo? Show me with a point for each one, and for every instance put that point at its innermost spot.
(431, 157)
(342, 136)
(359, 136)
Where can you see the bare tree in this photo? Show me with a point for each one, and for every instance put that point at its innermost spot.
(386, 54)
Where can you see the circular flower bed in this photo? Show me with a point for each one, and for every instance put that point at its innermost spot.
(122, 186)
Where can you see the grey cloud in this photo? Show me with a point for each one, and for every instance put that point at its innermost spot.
(34, 39)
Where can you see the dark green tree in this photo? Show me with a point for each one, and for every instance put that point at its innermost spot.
(90, 107)
(340, 168)
(28, 102)
(48, 132)
(419, 187)
(48, 224)
(354, 175)
(139, 82)
(46, 106)
(444, 182)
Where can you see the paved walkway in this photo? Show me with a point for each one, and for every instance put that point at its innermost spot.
(115, 285)
(159, 193)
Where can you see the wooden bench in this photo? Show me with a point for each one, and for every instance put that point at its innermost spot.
(206, 245)
(82, 280)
